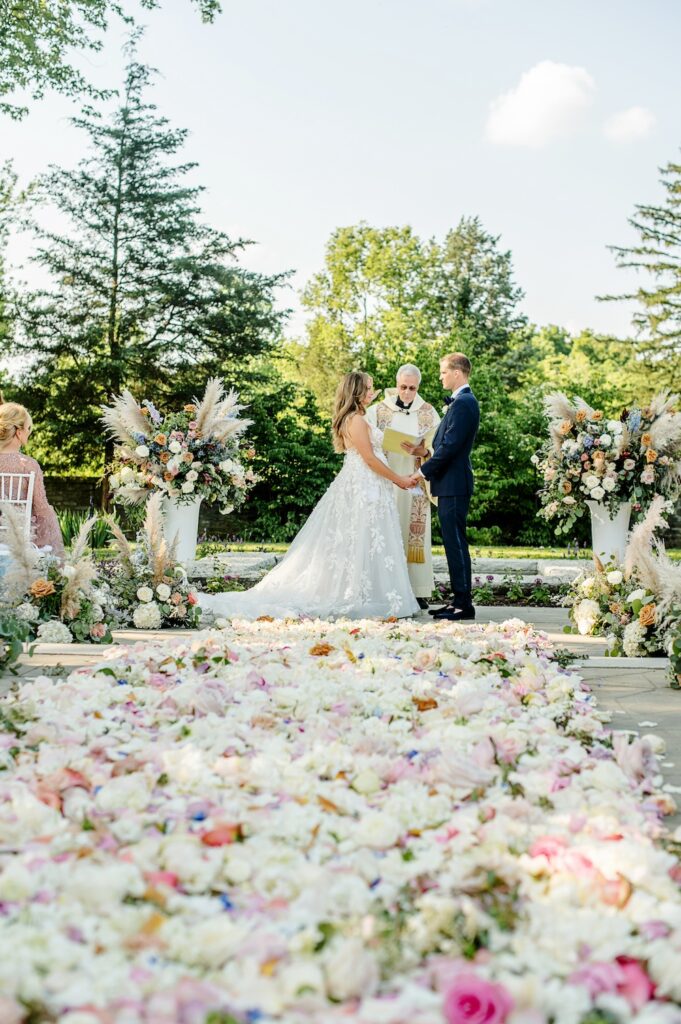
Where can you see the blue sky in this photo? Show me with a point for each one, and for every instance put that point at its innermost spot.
(546, 119)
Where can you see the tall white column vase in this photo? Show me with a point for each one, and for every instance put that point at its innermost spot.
(609, 536)
(182, 520)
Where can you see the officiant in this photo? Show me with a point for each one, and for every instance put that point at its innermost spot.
(403, 409)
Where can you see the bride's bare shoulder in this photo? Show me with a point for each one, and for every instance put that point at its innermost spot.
(356, 423)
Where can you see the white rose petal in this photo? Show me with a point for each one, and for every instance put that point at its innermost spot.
(142, 451)
(145, 594)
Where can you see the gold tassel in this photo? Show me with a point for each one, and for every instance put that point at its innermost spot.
(415, 554)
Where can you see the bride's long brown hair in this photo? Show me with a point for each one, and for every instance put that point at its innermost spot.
(349, 394)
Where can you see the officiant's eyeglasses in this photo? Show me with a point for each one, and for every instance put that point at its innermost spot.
(407, 387)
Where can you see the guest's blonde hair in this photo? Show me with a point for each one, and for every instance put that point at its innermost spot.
(349, 394)
(457, 361)
(13, 417)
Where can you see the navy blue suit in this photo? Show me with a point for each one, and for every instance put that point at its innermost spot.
(450, 475)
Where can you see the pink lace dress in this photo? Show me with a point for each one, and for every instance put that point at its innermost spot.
(44, 522)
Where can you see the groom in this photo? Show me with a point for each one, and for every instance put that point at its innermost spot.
(450, 475)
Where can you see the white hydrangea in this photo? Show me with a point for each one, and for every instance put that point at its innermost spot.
(54, 632)
(632, 639)
(605, 440)
(587, 614)
(589, 586)
(145, 594)
(141, 451)
(147, 616)
(26, 612)
(614, 578)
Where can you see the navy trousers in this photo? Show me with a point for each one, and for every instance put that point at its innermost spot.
(453, 513)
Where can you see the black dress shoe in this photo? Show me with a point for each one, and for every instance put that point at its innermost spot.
(445, 609)
(422, 602)
(457, 614)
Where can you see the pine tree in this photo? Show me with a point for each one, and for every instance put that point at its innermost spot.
(658, 256)
(145, 295)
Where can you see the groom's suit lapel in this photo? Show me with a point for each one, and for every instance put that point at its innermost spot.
(465, 391)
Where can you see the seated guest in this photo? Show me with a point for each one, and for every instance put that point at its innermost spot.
(15, 429)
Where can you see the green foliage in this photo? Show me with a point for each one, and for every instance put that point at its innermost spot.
(142, 291)
(37, 41)
(13, 634)
(658, 255)
(294, 460)
(70, 522)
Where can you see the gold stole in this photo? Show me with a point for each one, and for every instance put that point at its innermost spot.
(418, 513)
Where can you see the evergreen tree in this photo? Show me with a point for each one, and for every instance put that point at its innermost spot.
(38, 38)
(7, 186)
(658, 256)
(145, 295)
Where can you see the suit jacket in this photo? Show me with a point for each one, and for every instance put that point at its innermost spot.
(449, 470)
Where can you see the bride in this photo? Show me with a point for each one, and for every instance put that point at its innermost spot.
(348, 559)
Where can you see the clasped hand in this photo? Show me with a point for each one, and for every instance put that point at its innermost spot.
(407, 482)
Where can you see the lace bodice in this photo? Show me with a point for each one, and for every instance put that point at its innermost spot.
(46, 529)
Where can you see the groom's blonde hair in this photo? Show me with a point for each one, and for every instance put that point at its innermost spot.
(349, 393)
(457, 361)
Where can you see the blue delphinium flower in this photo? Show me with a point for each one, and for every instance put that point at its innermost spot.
(154, 414)
(634, 420)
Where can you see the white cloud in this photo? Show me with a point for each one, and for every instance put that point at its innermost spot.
(629, 125)
(548, 102)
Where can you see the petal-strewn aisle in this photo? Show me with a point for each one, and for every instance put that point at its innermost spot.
(384, 823)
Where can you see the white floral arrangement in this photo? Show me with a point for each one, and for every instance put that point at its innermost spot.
(609, 461)
(635, 606)
(150, 587)
(54, 597)
(183, 455)
(325, 823)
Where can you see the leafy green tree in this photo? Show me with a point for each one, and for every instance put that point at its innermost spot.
(658, 257)
(7, 187)
(144, 294)
(385, 297)
(38, 38)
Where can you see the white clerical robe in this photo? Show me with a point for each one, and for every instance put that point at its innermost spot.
(415, 512)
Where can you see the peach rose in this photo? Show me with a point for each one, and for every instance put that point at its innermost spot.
(190, 408)
(188, 457)
(581, 415)
(566, 486)
(646, 440)
(596, 415)
(565, 427)
(164, 457)
(42, 588)
(160, 439)
(651, 455)
(648, 615)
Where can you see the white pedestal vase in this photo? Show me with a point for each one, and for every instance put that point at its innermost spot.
(609, 536)
(182, 520)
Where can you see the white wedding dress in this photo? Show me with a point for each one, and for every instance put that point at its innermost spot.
(347, 561)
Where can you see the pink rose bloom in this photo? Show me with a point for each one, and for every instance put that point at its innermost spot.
(624, 976)
(474, 1000)
(98, 631)
(635, 986)
(549, 847)
(192, 598)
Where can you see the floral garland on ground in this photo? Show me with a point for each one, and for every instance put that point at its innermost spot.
(59, 601)
(604, 603)
(148, 584)
(388, 823)
(588, 458)
(182, 455)
(636, 606)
